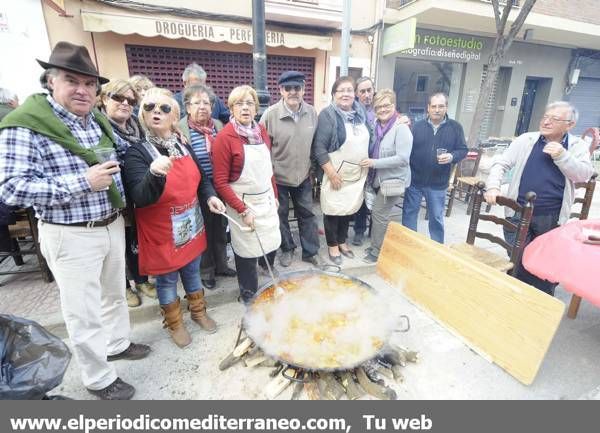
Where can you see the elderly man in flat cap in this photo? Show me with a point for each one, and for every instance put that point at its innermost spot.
(50, 158)
(291, 124)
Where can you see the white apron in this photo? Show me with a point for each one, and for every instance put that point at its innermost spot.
(254, 188)
(348, 199)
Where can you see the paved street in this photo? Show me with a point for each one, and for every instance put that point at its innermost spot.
(448, 369)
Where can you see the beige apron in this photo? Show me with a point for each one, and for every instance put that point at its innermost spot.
(254, 188)
(348, 199)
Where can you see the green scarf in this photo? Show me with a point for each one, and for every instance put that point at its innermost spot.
(37, 115)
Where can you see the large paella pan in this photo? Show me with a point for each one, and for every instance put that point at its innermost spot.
(319, 320)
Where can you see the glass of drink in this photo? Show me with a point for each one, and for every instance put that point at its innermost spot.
(439, 152)
(105, 154)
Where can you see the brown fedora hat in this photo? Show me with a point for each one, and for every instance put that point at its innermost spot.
(71, 57)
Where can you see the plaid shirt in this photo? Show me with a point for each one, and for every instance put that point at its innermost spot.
(35, 171)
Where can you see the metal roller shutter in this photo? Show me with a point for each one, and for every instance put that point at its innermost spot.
(586, 98)
(225, 70)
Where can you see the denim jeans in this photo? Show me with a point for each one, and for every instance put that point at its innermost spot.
(360, 220)
(539, 225)
(166, 284)
(301, 196)
(435, 200)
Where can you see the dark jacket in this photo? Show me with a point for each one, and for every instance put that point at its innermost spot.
(145, 189)
(331, 134)
(425, 171)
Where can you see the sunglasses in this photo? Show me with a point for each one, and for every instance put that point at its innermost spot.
(122, 98)
(165, 108)
(290, 88)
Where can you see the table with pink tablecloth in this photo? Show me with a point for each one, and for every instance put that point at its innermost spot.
(566, 256)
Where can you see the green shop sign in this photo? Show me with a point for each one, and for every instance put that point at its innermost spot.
(445, 46)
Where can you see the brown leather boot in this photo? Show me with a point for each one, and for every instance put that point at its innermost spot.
(173, 321)
(197, 307)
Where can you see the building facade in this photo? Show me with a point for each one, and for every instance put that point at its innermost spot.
(160, 37)
(552, 58)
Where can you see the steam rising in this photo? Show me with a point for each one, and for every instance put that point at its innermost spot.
(321, 322)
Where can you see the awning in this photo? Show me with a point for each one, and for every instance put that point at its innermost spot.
(195, 30)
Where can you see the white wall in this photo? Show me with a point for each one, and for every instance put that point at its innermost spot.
(23, 39)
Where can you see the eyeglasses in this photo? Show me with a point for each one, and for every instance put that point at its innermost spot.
(363, 91)
(290, 88)
(554, 119)
(248, 104)
(165, 108)
(204, 103)
(122, 98)
(384, 107)
(348, 90)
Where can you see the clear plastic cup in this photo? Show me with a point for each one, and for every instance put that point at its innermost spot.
(105, 154)
(439, 152)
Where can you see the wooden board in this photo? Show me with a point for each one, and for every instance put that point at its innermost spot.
(508, 322)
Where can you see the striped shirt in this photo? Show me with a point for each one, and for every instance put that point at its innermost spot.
(35, 171)
(198, 143)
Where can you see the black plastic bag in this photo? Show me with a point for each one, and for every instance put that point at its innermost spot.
(32, 360)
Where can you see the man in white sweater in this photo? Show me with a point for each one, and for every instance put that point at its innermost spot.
(548, 162)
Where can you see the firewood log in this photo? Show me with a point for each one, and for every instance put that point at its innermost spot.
(353, 390)
(334, 388)
(277, 385)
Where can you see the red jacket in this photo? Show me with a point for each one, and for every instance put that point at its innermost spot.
(228, 161)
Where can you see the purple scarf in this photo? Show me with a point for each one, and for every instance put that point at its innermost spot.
(251, 132)
(380, 131)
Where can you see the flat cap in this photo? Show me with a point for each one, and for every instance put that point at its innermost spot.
(291, 78)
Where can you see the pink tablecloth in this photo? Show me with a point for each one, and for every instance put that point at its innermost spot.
(561, 256)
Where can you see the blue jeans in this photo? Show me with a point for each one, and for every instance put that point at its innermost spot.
(301, 196)
(166, 284)
(539, 225)
(435, 200)
(360, 220)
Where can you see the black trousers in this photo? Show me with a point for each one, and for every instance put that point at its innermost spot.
(247, 273)
(214, 259)
(539, 225)
(132, 256)
(336, 229)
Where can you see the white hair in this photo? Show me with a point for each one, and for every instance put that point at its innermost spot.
(7, 95)
(564, 104)
(193, 69)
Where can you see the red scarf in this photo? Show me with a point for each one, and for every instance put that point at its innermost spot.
(207, 130)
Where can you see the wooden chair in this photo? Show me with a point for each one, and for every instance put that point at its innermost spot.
(586, 203)
(464, 180)
(24, 239)
(502, 263)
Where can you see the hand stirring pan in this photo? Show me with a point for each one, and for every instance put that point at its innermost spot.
(278, 289)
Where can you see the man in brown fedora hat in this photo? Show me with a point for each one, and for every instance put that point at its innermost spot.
(50, 158)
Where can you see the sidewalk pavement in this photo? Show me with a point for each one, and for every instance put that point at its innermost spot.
(571, 360)
(27, 295)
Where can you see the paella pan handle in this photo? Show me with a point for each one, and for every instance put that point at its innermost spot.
(406, 322)
(301, 376)
(331, 268)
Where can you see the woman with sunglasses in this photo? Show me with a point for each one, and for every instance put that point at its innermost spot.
(166, 183)
(117, 100)
(243, 176)
(389, 167)
(341, 142)
(200, 130)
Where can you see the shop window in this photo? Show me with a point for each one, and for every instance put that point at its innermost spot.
(355, 73)
(416, 114)
(422, 83)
